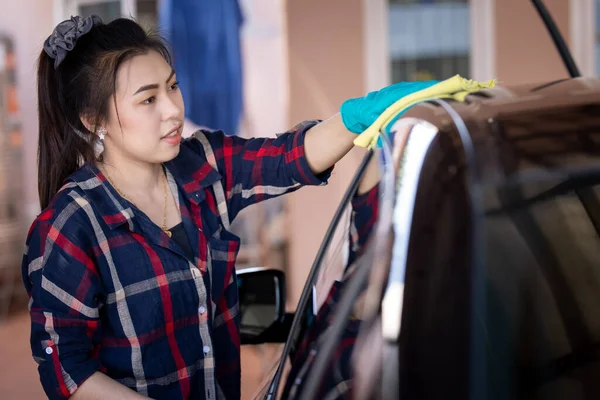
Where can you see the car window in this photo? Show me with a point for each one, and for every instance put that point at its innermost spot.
(334, 262)
(338, 377)
(327, 286)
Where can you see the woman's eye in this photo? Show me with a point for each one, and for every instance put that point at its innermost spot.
(149, 100)
(175, 85)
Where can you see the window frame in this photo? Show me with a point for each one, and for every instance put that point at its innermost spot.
(377, 61)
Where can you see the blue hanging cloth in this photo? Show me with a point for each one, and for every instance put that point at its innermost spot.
(204, 36)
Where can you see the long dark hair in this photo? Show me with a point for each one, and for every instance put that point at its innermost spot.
(82, 86)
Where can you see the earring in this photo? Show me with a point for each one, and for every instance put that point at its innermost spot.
(99, 145)
(101, 133)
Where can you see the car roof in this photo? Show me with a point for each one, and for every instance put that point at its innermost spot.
(503, 101)
(518, 129)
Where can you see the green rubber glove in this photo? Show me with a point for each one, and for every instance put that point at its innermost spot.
(359, 113)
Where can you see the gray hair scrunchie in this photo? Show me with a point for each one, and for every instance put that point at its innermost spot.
(65, 35)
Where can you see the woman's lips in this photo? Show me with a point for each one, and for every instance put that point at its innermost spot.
(174, 139)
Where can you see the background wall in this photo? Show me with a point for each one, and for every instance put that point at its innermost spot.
(326, 51)
(524, 50)
(28, 22)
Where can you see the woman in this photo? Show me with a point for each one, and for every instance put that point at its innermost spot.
(130, 265)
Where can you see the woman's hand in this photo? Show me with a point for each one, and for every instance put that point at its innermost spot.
(359, 113)
(326, 143)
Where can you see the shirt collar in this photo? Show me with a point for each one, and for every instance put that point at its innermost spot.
(113, 209)
(191, 172)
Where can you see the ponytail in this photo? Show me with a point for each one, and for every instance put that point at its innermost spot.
(60, 149)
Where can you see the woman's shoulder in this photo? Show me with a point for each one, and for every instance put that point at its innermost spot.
(74, 194)
(65, 215)
(60, 241)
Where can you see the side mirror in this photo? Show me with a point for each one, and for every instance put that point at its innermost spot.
(262, 306)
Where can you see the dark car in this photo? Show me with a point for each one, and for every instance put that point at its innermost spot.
(481, 277)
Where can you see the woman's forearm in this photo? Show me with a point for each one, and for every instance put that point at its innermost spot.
(101, 387)
(326, 143)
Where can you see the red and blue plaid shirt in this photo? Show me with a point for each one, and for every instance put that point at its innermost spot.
(111, 292)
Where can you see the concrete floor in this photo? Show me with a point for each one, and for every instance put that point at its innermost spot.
(19, 379)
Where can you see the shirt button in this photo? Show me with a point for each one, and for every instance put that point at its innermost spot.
(201, 309)
(49, 350)
(206, 350)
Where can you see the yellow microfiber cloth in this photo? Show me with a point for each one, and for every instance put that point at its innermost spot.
(456, 88)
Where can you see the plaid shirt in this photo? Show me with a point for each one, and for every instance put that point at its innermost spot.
(110, 292)
(337, 383)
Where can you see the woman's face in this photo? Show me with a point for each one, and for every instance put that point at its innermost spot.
(148, 126)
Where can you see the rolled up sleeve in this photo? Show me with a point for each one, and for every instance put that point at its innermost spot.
(262, 168)
(64, 291)
(295, 157)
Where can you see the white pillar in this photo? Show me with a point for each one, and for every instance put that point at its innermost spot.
(582, 24)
